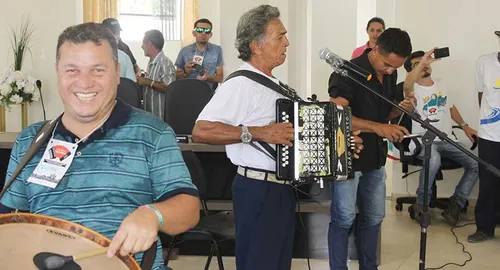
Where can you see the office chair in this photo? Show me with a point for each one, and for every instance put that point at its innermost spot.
(408, 158)
(212, 227)
(184, 101)
(129, 92)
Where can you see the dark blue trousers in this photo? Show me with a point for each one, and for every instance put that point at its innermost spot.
(265, 224)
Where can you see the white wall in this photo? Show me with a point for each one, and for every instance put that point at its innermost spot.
(467, 28)
(42, 63)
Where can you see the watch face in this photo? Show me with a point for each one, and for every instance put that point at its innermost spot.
(246, 137)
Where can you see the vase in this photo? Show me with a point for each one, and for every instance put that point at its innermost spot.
(2, 118)
(24, 115)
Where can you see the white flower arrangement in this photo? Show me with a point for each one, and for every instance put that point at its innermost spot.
(16, 88)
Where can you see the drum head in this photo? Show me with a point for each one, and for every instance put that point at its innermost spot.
(23, 236)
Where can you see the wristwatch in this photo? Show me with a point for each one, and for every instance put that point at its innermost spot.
(245, 137)
(463, 124)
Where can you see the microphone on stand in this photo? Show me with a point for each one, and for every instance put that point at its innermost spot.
(39, 85)
(341, 65)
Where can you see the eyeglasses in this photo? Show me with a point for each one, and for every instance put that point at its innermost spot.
(201, 30)
(415, 64)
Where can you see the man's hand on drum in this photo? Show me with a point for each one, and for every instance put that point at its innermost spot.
(358, 143)
(136, 234)
(278, 133)
(393, 133)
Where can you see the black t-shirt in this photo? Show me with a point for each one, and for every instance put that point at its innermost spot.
(368, 106)
(124, 47)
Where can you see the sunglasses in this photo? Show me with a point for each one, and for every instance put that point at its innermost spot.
(201, 30)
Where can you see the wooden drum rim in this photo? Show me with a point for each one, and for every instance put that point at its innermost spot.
(59, 223)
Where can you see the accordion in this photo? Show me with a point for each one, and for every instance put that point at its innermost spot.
(321, 147)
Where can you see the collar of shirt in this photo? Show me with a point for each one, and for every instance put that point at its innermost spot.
(118, 117)
(193, 47)
(157, 58)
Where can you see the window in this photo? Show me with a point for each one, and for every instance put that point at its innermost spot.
(138, 16)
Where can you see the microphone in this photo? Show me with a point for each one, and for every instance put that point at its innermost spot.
(39, 86)
(341, 65)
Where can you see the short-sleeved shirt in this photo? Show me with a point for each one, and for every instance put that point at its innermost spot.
(212, 58)
(488, 83)
(359, 50)
(132, 160)
(126, 66)
(367, 106)
(242, 101)
(124, 47)
(161, 69)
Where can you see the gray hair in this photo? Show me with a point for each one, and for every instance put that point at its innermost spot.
(252, 26)
(88, 32)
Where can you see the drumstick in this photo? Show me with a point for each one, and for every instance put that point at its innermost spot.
(55, 262)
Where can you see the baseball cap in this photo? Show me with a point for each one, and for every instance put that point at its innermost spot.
(112, 24)
(497, 33)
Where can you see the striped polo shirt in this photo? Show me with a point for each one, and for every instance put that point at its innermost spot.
(132, 160)
(160, 69)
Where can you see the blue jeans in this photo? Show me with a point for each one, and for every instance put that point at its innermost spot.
(442, 149)
(367, 191)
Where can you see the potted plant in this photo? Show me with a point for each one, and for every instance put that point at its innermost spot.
(15, 86)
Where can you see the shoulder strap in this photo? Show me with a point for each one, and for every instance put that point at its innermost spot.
(280, 88)
(40, 138)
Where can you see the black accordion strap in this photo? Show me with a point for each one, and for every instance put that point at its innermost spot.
(270, 151)
(280, 88)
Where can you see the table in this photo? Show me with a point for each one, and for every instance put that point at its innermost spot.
(7, 140)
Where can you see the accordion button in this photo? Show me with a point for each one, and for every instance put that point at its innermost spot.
(283, 165)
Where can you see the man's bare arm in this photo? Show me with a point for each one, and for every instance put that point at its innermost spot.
(220, 133)
(217, 77)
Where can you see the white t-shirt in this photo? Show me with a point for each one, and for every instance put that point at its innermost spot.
(242, 101)
(434, 103)
(488, 83)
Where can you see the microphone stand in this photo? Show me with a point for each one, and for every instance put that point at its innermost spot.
(427, 139)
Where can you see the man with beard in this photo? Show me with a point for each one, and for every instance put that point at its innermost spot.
(201, 60)
(434, 103)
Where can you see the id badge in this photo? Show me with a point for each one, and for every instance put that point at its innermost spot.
(55, 162)
(198, 59)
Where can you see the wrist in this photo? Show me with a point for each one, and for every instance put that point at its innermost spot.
(464, 124)
(256, 133)
(155, 212)
(152, 83)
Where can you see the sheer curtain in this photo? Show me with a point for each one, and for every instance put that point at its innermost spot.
(98, 10)
(191, 14)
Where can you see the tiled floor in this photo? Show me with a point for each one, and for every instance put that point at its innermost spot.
(400, 247)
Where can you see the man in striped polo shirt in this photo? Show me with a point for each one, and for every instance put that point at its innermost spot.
(160, 73)
(127, 179)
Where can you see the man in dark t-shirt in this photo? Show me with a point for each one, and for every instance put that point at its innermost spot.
(370, 114)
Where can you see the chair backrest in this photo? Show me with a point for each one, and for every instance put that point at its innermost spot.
(129, 92)
(184, 101)
(196, 171)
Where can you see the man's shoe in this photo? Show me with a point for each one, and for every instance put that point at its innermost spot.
(452, 213)
(479, 237)
(416, 211)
